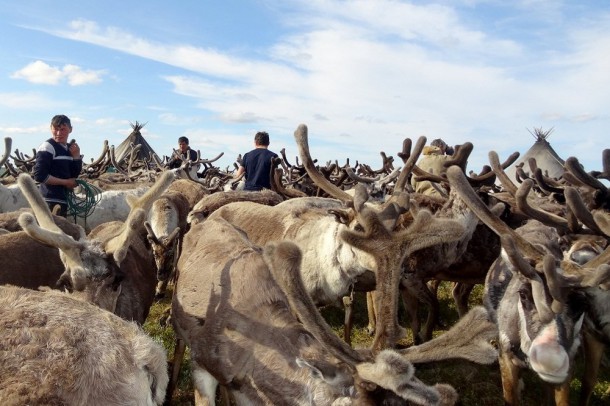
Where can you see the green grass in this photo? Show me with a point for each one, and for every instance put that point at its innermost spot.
(477, 385)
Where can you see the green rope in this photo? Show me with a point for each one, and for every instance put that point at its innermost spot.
(82, 207)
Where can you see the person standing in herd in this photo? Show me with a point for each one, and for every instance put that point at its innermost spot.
(257, 164)
(58, 164)
(184, 153)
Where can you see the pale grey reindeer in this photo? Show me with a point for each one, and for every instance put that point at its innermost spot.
(589, 199)
(11, 198)
(166, 225)
(535, 297)
(58, 350)
(332, 265)
(112, 266)
(584, 225)
(235, 306)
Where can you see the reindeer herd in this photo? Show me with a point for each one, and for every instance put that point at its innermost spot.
(249, 271)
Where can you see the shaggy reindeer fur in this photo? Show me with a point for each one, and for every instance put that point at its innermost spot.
(58, 350)
(11, 198)
(112, 206)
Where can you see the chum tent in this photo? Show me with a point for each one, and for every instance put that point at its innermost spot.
(123, 151)
(546, 158)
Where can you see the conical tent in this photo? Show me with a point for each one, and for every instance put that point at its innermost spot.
(123, 151)
(546, 158)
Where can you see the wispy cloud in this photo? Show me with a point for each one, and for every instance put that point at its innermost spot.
(39, 72)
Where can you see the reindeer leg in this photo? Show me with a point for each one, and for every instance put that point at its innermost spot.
(174, 369)
(205, 386)
(225, 396)
(461, 293)
(510, 380)
(349, 318)
(593, 351)
(428, 296)
(411, 305)
(160, 289)
(370, 307)
(562, 394)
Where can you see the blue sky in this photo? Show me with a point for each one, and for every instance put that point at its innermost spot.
(363, 75)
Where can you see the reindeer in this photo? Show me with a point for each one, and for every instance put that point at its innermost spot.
(111, 267)
(166, 225)
(59, 350)
(331, 265)
(10, 196)
(234, 305)
(18, 266)
(464, 260)
(535, 297)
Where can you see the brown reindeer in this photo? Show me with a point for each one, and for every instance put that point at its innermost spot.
(112, 266)
(18, 266)
(235, 307)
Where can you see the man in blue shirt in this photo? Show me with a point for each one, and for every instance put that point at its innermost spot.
(257, 164)
(58, 164)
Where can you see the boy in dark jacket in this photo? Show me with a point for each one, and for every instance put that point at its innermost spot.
(58, 164)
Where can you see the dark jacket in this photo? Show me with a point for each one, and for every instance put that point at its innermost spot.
(258, 169)
(176, 162)
(53, 159)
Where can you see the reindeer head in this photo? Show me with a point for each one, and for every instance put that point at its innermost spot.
(93, 267)
(377, 232)
(388, 377)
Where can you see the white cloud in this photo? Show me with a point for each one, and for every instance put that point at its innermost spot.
(39, 72)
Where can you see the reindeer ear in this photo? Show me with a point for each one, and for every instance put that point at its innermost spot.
(313, 370)
(322, 370)
(64, 283)
(341, 216)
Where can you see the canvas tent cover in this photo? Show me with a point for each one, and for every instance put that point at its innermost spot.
(546, 158)
(124, 149)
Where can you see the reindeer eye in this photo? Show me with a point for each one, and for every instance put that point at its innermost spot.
(525, 298)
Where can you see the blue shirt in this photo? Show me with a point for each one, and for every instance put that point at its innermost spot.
(258, 168)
